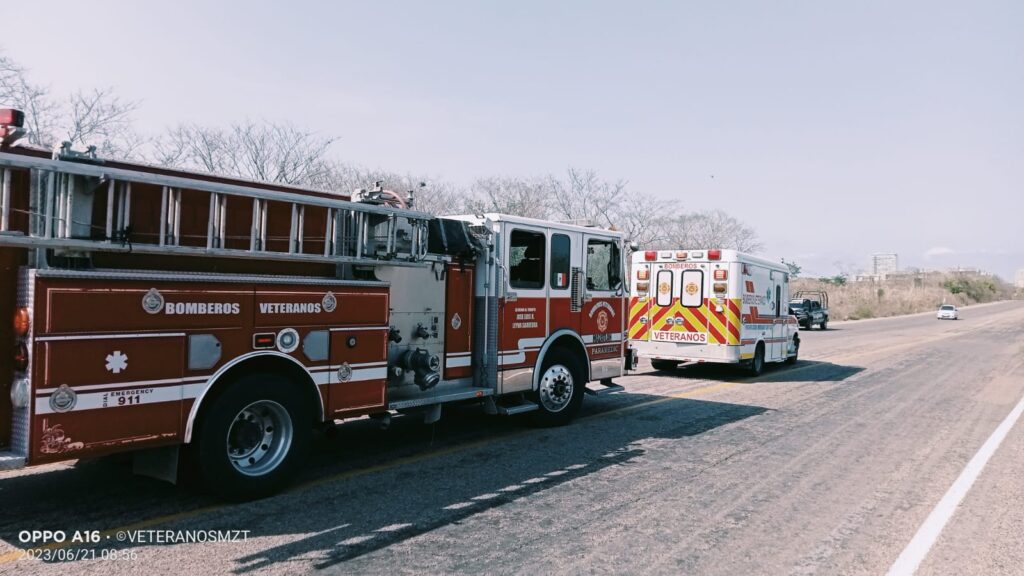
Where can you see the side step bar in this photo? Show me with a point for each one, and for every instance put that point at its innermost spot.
(11, 461)
(525, 406)
(607, 387)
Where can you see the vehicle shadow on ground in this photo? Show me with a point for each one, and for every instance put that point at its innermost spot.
(802, 371)
(365, 489)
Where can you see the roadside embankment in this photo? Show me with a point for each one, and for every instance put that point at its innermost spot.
(906, 294)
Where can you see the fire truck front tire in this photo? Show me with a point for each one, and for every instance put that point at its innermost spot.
(560, 391)
(253, 437)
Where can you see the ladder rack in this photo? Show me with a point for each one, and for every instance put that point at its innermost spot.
(85, 206)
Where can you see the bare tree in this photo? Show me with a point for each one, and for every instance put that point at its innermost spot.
(41, 112)
(268, 152)
(97, 118)
(530, 198)
(585, 197)
(712, 228)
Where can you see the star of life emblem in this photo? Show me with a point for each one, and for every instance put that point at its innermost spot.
(456, 321)
(117, 362)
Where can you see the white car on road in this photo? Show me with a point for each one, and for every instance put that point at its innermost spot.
(947, 312)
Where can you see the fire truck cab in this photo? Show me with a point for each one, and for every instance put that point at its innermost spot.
(215, 322)
(710, 306)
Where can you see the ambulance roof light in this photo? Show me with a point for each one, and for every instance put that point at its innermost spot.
(714, 254)
(650, 255)
(680, 255)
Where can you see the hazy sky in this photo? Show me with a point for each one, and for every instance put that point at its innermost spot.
(836, 129)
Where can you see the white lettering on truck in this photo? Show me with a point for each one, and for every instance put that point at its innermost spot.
(290, 308)
(202, 308)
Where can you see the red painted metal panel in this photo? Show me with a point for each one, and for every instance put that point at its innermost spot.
(458, 330)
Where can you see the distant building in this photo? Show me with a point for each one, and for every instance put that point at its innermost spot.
(884, 264)
(1019, 280)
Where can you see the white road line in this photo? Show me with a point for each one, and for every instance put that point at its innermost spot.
(928, 533)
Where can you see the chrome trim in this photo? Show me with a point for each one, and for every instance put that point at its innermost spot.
(194, 411)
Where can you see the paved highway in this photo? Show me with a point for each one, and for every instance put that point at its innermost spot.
(833, 466)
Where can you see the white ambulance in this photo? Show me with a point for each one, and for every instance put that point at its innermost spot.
(710, 306)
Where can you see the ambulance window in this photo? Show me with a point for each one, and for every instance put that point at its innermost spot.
(603, 265)
(560, 248)
(526, 259)
(778, 300)
(664, 297)
(692, 288)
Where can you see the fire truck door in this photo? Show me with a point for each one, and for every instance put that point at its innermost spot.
(566, 257)
(523, 311)
(604, 315)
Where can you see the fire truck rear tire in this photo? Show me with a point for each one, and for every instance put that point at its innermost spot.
(253, 437)
(561, 389)
(756, 365)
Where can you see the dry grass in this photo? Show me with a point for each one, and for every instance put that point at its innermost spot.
(857, 300)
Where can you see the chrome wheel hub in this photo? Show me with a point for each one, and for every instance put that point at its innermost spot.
(259, 438)
(556, 387)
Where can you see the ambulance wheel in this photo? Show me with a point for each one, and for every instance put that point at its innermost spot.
(560, 391)
(253, 437)
(756, 365)
(664, 365)
(796, 352)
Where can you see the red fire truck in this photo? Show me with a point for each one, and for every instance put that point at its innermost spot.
(211, 324)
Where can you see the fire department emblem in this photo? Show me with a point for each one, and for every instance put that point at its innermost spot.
(602, 321)
(153, 301)
(456, 321)
(664, 288)
(692, 288)
(329, 303)
(344, 372)
(63, 399)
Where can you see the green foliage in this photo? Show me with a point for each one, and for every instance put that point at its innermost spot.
(794, 268)
(979, 289)
(837, 280)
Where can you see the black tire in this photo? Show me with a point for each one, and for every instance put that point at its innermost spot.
(756, 365)
(247, 415)
(664, 365)
(558, 405)
(796, 352)
(824, 324)
(809, 325)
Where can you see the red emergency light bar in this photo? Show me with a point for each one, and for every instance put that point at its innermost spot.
(650, 255)
(12, 125)
(714, 254)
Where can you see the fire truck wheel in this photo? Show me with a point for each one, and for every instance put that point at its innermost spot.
(756, 365)
(560, 393)
(253, 437)
(664, 365)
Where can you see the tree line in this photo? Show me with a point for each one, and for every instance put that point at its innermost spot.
(288, 154)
